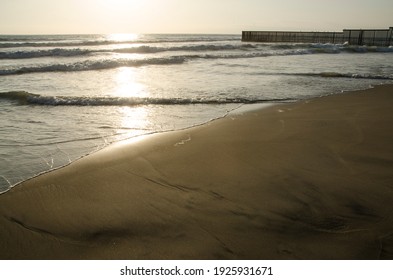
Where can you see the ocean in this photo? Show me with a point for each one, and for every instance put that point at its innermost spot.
(65, 96)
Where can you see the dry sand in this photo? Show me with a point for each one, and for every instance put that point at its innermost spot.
(309, 180)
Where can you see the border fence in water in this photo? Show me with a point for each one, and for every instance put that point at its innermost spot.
(370, 37)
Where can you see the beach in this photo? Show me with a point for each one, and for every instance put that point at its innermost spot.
(65, 96)
(305, 180)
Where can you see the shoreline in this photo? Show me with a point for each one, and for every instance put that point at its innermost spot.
(304, 180)
(238, 110)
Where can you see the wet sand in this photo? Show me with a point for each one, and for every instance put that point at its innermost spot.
(307, 180)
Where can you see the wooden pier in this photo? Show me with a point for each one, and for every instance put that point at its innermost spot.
(369, 37)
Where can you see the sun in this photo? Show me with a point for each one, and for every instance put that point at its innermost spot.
(117, 16)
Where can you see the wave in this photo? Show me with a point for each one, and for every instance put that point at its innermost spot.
(89, 65)
(346, 75)
(332, 75)
(26, 98)
(202, 51)
(194, 48)
(87, 43)
(330, 48)
(318, 47)
(60, 52)
(58, 44)
(43, 53)
(92, 65)
(281, 49)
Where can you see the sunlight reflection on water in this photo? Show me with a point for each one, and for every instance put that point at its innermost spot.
(127, 84)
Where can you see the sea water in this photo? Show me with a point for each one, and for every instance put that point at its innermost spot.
(65, 96)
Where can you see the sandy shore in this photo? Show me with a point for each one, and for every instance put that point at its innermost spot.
(309, 180)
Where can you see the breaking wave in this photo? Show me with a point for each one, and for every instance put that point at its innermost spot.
(26, 98)
(59, 52)
(89, 65)
(146, 49)
(49, 42)
(43, 53)
(330, 48)
(344, 75)
(92, 65)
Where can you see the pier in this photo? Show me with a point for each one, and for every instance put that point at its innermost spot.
(369, 37)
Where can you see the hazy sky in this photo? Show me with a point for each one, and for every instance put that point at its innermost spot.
(190, 16)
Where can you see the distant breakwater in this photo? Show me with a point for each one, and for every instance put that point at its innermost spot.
(369, 37)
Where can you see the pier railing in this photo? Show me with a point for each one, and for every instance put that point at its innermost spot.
(377, 37)
(293, 37)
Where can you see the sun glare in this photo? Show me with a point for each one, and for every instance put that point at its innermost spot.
(123, 37)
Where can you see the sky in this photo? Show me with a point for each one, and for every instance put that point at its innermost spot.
(189, 16)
